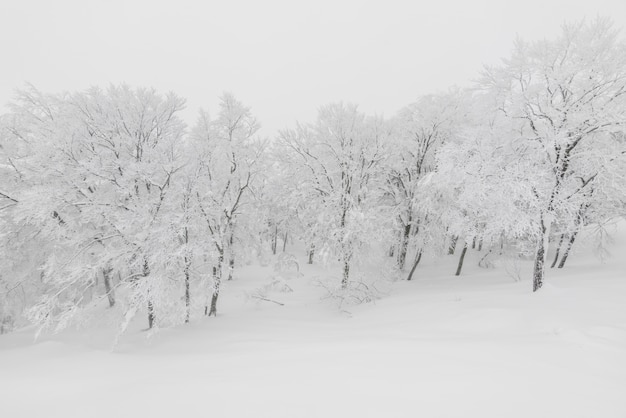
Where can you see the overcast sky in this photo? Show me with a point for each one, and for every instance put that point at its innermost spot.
(282, 58)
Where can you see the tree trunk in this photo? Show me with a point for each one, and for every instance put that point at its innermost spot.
(311, 253)
(460, 266)
(151, 314)
(187, 291)
(539, 268)
(558, 250)
(206, 305)
(567, 249)
(452, 246)
(217, 281)
(392, 250)
(346, 273)
(187, 269)
(474, 243)
(484, 257)
(231, 256)
(275, 240)
(418, 257)
(231, 267)
(404, 245)
(110, 292)
(480, 244)
(285, 242)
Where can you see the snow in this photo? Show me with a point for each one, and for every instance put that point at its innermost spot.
(478, 345)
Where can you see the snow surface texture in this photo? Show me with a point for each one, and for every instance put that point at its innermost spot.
(478, 345)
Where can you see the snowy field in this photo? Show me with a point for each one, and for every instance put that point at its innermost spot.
(478, 345)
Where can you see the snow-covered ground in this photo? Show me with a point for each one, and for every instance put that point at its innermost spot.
(478, 345)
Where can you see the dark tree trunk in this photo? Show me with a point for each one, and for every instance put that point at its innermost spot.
(206, 306)
(418, 257)
(213, 311)
(392, 250)
(110, 292)
(275, 240)
(538, 270)
(481, 262)
(567, 249)
(231, 268)
(217, 281)
(311, 253)
(480, 244)
(404, 245)
(346, 273)
(460, 266)
(231, 255)
(187, 270)
(452, 246)
(285, 242)
(187, 291)
(151, 314)
(474, 243)
(558, 250)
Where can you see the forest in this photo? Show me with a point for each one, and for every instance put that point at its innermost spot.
(110, 201)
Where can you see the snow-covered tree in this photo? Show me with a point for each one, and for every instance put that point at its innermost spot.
(227, 154)
(98, 171)
(420, 130)
(336, 161)
(565, 94)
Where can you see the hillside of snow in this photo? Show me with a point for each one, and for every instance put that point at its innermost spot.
(478, 345)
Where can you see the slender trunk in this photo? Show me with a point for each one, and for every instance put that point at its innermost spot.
(187, 290)
(285, 242)
(579, 222)
(481, 262)
(539, 266)
(567, 249)
(460, 266)
(275, 240)
(452, 246)
(311, 253)
(231, 257)
(480, 244)
(540, 256)
(187, 268)
(206, 305)
(392, 250)
(558, 250)
(346, 273)
(110, 292)
(418, 257)
(344, 246)
(474, 243)
(217, 279)
(404, 245)
(151, 314)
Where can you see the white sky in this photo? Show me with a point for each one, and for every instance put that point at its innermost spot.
(283, 58)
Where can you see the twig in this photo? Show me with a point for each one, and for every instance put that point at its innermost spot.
(266, 299)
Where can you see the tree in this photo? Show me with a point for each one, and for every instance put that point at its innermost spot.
(562, 94)
(98, 172)
(420, 130)
(337, 160)
(227, 153)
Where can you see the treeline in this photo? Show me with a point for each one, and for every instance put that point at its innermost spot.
(107, 197)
